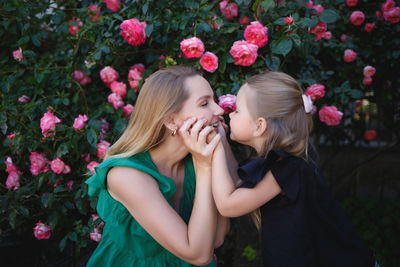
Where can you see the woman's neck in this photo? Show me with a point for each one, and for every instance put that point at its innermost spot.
(168, 155)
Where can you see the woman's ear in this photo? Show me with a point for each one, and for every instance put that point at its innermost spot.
(170, 123)
(261, 127)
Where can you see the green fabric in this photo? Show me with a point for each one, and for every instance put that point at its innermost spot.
(124, 242)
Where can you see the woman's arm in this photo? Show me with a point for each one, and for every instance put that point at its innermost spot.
(140, 194)
(233, 202)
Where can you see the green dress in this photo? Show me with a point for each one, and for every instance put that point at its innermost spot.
(124, 242)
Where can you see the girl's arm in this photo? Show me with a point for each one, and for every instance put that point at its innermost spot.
(140, 194)
(233, 202)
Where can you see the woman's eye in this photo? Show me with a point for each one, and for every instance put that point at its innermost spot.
(204, 104)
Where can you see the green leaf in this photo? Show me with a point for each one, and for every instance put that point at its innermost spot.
(356, 94)
(296, 39)
(282, 47)
(59, 189)
(92, 137)
(63, 243)
(118, 17)
(62, 150)
(273, 62)
(12, 218)
(280, 21)
(35, 40)
(73, 236)
(267, 4)
(328, 16)
(24, 211)
(149, 29)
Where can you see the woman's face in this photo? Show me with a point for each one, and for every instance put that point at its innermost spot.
(200, 103)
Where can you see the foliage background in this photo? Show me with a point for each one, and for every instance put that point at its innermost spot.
(51, 54)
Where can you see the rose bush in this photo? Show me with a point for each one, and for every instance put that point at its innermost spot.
(66, 66)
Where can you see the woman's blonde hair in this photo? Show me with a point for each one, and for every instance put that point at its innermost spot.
(277, 97)
(161, 95)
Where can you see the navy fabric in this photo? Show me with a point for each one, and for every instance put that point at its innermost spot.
(303, 226)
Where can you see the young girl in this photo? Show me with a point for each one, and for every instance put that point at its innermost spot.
(301, 224)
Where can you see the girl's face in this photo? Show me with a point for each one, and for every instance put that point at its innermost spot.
(200, 103)
(242, 123)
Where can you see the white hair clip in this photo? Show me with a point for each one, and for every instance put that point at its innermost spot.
(308, 106)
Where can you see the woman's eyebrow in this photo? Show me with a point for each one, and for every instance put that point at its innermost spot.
(204, 97)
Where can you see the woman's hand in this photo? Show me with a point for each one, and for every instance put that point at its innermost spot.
(200, 140)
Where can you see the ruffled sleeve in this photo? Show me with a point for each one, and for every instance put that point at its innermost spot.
(286, 170)
(252, 172)
(283, 166)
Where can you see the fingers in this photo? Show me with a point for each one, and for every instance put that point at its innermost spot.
(197, 127)
(214, 142)
(184, 129)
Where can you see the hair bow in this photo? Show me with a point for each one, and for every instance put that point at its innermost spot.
(308, 106)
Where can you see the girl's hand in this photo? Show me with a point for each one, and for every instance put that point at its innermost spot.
(194, 137)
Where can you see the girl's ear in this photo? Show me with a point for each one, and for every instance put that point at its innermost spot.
(261, 127)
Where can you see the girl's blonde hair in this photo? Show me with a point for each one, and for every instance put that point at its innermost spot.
(277, 97)
(161, 95)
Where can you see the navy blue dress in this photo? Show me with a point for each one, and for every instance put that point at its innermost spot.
(304, 226)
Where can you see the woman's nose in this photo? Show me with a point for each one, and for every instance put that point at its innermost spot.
(219, 111)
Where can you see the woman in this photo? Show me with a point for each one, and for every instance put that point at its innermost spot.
(157, 212)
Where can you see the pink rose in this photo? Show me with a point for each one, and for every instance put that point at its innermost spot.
(94, 12)
(102, 149)
(192, 47)
(310, 4)
(17, 54)
(256, 33)
(367, 80)
(319, 30)
(81, 77)
(209, 61)
(351, 3)
(139, 67)
(330, 115)
(288, 20)
(96, 235)
(393, 15)
(80, 121)
(214, 24)
(74, 26)
(57, 165)
(91, 166)
(343, 38)
(108, 75)
(42, 231)
(369, 135)
(319, 9)
(357, 18)
(133, 31)
(48, 124)
(369, 71)
(134, 84)
(113, 5)
(349, 55)
(104, 127)
(24, 99)
(230, 10)
(227, 103)
(315, 91)
(11, 136)
(127, 110)
(244, 20)
(388, 5)
(327, 35)
(115, 100)
(118, 88)
(243, 53)
(38, 163)
(13, 180)
(67, 169)
(369, 27)
(69, 185)
(86, 157)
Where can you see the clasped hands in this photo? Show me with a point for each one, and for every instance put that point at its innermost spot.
(201, 139)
